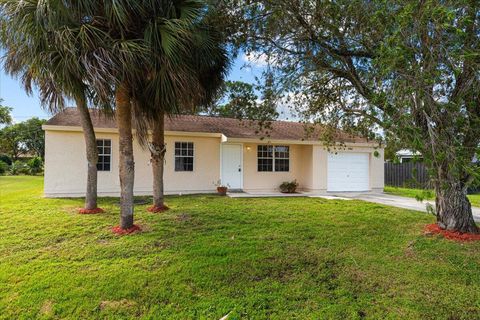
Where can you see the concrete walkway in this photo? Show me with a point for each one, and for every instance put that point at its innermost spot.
(398, 201)
(381, 198)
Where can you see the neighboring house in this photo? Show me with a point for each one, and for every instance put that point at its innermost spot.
(202, 150)
(406, 155)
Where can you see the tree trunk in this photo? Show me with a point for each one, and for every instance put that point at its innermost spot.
(157, 153)
(126, 161)
(92, 154)
(454, 211)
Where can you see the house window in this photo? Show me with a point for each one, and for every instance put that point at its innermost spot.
(183, 156)
(273, 158)
(265, 158)
(282, 158)
(104, 149)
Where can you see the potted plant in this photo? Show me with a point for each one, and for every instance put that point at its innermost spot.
(289, 187)
(221, 188)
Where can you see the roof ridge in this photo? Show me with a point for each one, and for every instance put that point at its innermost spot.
(207, 116)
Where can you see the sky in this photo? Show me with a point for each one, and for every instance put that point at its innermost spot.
(244, 68)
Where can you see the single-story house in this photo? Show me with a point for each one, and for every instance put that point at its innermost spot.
(202, 150)
(407, 155)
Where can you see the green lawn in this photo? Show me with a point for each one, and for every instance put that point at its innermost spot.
(276, 258)
(426, 194)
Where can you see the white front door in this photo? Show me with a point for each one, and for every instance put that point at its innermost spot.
(232, 170)
(348, 171)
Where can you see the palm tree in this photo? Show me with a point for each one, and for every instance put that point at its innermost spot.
(36, 54)
(160, 32)
(205, 63)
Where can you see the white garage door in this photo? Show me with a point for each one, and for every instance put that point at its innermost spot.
(348, 172)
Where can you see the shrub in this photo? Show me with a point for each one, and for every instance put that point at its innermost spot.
(5, 158)
(289, 187)
(3, 167)
(35, 165)
(18, 167)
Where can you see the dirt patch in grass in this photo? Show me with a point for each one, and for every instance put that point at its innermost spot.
(183, 217)
(123, 304)
(434, 228)
(410, 250)
(47, 308)
(161, 244)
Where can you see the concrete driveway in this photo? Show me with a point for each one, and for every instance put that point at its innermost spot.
(395, 201)
(382, 198)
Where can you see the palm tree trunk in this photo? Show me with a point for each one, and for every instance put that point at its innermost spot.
(126, 161)
(92, 154)
(157, 153)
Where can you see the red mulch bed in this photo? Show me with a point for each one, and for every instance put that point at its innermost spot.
(451, 235)
(90, 211)
(120, 231)
(156, 209)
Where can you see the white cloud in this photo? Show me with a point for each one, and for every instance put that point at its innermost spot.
(256, 59)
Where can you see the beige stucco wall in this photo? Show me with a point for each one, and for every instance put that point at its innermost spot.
(65, 166)
(206, 166)
(255, 181)
(309, 166)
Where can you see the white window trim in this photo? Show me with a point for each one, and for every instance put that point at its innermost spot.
(105, 154)
(180, 156)
(273, 157)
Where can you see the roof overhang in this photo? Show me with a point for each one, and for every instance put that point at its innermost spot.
(222, 137)
(301, 142)
(115, 130)
(47, 127)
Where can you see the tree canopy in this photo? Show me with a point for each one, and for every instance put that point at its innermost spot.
(238, 99)
(5, 116)
(25, 138)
